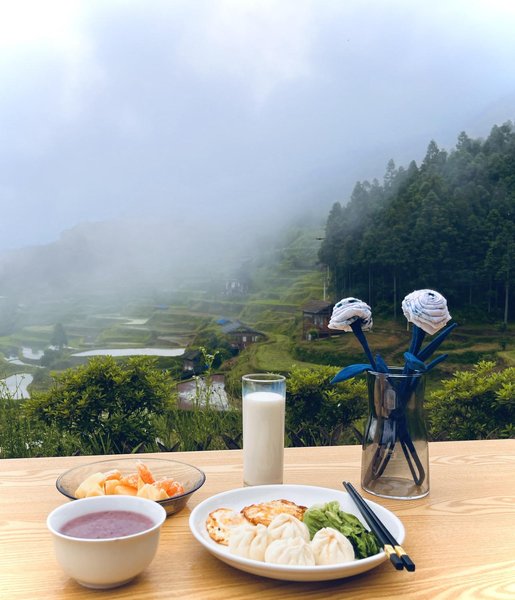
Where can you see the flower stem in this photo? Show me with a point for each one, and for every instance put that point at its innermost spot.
(417, 338)
(432, 346)
(356, 328)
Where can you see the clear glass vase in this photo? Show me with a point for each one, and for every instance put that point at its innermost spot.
(395, 458)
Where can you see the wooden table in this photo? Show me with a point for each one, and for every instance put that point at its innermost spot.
(462, 536)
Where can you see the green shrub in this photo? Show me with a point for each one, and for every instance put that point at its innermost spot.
(209, 341)
(319, 413)
(56, 359)
(110, 405)
(474, 404)
(23, 437)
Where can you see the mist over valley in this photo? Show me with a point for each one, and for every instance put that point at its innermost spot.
(167, 165)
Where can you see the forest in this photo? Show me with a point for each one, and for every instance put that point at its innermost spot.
(447, 224)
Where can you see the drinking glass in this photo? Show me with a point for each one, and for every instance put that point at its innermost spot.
(263, 407)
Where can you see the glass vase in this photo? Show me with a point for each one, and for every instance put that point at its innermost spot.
(395, 457)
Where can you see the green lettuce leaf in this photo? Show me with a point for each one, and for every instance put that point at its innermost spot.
(318, 516)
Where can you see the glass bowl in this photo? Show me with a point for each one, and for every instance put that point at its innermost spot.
(189, 476)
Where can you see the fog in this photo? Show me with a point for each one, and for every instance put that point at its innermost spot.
(200, 123)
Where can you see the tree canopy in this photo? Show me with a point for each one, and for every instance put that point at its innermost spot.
(107, 402)
(59, 338)
(448, 224)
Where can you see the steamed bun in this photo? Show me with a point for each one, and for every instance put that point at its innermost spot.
(290, 551)
(330, 546)
(249, 541)
(287, 526)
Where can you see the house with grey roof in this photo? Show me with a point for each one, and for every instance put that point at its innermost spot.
(241, 335)
(315, 319)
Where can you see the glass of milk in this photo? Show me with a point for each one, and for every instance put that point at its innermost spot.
(264, 399)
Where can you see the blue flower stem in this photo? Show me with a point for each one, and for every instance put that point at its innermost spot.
(399, 419)
(432, 346)
(358, 332)
(381, 366)
(414, 334)
(421, 334)
(417, 338)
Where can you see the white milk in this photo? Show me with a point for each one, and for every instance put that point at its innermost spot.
(263, 438)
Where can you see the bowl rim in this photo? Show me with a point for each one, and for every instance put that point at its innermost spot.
(157, 522)
(197, 486)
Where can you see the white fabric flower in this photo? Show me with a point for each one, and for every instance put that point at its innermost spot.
(427, 309)
(349, 310)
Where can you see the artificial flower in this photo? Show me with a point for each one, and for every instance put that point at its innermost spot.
(348, 311)
(351, 314)
(426, 309)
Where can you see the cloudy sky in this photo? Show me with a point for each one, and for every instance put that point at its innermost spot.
(232, 110)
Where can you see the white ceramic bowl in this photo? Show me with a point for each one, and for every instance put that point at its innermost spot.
(106, 563)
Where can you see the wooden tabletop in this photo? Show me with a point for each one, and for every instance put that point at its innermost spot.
(461, 536)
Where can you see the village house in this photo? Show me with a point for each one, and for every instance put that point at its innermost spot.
(192, 362)
(241, 335)
(315, 319)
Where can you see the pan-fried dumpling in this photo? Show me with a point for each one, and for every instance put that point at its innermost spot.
(287, 526)
(249, 541)
(331, 546)
(290, 551)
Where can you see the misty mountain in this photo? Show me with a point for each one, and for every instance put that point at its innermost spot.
(117, 255)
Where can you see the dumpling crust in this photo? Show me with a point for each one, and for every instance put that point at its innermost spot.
(264, 512)
(221, 522)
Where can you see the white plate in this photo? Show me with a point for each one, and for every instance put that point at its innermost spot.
(305, 495)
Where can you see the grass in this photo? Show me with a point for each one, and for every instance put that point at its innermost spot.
(274, 355)
(119, 335)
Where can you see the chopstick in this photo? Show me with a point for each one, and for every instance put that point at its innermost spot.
(393, 550)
